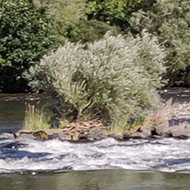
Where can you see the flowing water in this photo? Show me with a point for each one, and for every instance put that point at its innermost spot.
(96, 180)
(26, 163)
(23, 154)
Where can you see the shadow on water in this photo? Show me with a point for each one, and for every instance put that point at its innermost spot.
(13, 153)
(12, 109)
(11, 150)
(177, 161)
(177, 94)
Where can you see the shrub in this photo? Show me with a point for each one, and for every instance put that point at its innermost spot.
(88, 31)
(69, 20)
(114, 12)
(114, 77)
(64, 13)
(169, 20)
(25, 37)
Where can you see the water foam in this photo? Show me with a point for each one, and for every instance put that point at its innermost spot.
(53, 155)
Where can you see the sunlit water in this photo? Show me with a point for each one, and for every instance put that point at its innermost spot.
(25, 154)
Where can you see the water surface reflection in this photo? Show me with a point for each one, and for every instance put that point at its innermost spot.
(12, 109)
(96, 180)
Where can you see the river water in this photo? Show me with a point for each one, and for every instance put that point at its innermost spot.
(96, 180)
(104, 165)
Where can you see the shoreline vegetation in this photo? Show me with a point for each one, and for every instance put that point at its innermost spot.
(172, 120)
(106, 83)
(102, 62)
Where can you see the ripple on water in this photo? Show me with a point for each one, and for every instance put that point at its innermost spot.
(53, 155)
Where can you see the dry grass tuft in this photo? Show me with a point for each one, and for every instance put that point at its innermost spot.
(159, 115)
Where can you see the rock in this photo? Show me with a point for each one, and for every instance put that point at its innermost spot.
(136, 135)
(62, 136)
(145, 131)
(25, 134)
(115, 136)
(160, 130)
(127, 135)
(179, 132)
(92, 135)
(43, 134)
(141, 133)
(98, 134)
(54, 136)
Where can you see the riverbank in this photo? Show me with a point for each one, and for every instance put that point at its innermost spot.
(173, 120)
(174, 116)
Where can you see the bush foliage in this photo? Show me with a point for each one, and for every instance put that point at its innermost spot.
(115, 12)
(25, 37)
(69, 20)
(169, 20)
(30, 28)
(64, 14)
(115, 76)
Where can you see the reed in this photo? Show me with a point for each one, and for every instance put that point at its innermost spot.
(35, 119)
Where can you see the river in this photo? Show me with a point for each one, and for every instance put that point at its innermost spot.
(104, 165)
(96, 180)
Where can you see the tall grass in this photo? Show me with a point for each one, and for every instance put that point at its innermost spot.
(35, 119)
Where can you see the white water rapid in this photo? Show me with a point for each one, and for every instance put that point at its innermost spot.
(23, 154)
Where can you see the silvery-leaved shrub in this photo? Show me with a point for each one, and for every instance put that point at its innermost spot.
(169, 21)
(116, 76)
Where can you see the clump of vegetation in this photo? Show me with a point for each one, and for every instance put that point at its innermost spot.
(88, 31)
(115, 12)
(64, 14)
(169, 20)
(112, 78)
(25, 36)
(35, 119)
(69, 20)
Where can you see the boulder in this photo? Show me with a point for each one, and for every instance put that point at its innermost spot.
(62, 136)
(115, 136)
(145, 131)
(25, 134)
(138, 135)
(141, 133)
(179, 132)
(127, 135)
(160, 130)
(92, 135)
(41, 134)
(133, 135)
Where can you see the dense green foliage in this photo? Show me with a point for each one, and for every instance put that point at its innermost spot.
(70, 21)
(114, 12)
(169, 20)
(24, 38)
(30, 28)
(88, 31)
(64, 14)
(114, 77)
